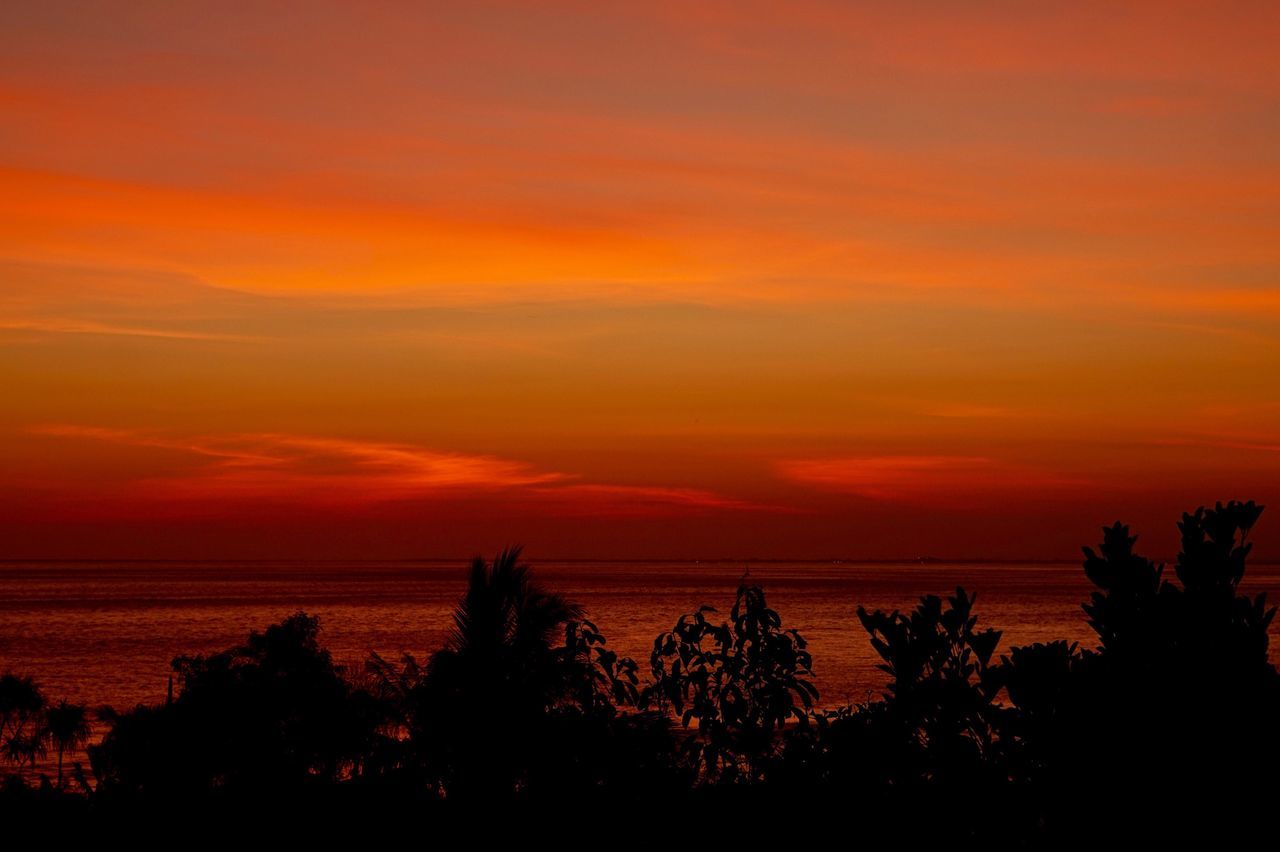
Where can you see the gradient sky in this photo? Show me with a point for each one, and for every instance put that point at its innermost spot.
(634, 280)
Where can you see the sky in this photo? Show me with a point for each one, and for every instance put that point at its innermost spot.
(634, 280)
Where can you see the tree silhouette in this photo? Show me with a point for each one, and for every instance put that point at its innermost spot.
(22, 708)
(392, 688)
(67, 729)
(271, 716)
(1178, 695)
(1220, 626)
(1145, 623)
(598, 680)
(1040, 681)
(939, 720)
(484, 693)
(503, 631)
(741, 681)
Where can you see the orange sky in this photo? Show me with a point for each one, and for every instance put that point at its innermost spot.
(714, 279)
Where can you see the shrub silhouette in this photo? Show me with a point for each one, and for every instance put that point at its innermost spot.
(938, 723)
(1040, 682)
(262, 719)
(740, 681)
(598, 680)
(939, 720)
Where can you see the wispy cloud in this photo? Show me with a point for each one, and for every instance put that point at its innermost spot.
(326, 471)
(643, 501)
(69, 326)
(312, 469)
(921, 478)
(1223, 442)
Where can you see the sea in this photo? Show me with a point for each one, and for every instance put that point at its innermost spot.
(105, 632)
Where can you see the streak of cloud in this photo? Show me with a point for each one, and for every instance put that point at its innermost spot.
(336, 472)
(933, 479)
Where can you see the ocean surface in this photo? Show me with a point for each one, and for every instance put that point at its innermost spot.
(104, 633)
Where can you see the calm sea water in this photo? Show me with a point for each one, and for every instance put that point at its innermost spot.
(104, 633)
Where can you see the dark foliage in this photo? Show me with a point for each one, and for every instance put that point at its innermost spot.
(66, 727)
(22, 709)
(521, 703)
(1177, 699)
(934, 751)
(737, 682)
(1164, 729)
(267, 717)
(939, 721)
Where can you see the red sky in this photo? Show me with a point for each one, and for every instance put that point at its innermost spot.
(634, 280)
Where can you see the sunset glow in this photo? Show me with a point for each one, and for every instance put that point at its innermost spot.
(803, 280)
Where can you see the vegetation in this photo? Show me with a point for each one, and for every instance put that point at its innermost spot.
(740, 682)
(1165, 726)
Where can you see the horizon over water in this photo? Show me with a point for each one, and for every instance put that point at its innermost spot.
(104, 632)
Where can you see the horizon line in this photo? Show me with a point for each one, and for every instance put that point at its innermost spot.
(718, 560)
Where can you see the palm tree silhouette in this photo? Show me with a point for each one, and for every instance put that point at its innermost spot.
(22, 705)
(66, 726)
(496, 676)
(504, 626)
(20, 702)
(24, 750)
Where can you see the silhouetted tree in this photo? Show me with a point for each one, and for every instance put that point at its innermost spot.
(505, 710)
(392, 686)
(67, 729)
(22, 708)
(928, 761)
(598, 680)
(503, 633)
(1219, 626)
(1178, 698)
(267, 717)
(1145, 623)
(939, 721)
(740, 681)
(1040, 682)
(497, 676)
(585, 751)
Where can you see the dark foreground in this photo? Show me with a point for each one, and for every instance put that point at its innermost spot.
(525, 719)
